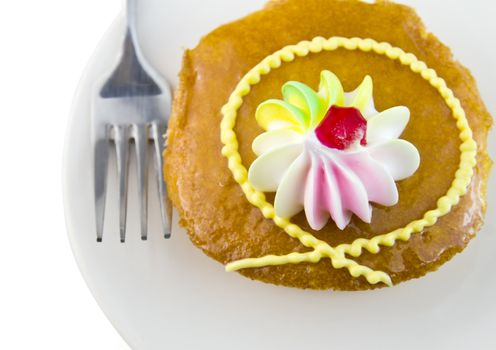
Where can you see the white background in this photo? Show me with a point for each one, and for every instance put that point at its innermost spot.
(44, 303)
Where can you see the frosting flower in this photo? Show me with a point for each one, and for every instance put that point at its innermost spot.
(330, 153)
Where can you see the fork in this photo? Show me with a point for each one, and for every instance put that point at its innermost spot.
(131, 105)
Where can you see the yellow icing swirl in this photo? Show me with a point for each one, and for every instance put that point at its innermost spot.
(321, 249)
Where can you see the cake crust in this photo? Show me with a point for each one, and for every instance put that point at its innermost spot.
(213, 208)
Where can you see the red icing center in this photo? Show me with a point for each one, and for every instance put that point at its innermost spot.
(341, 127)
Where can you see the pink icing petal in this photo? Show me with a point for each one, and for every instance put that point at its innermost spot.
(378, 183)
(324, 195)
(333, 196)
(315, 198)
(353, 193)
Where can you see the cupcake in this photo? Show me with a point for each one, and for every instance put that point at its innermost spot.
(327, 144)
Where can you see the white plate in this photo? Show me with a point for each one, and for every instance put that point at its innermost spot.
(167, 294)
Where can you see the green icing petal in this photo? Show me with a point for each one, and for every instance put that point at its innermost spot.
(331, 89)
(276, 114)
(304, 98)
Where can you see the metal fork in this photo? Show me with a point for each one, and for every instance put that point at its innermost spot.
(132, 104)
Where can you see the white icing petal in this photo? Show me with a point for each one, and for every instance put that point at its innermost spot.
(289, 199)
(387, 125)
(266, 171)
(273, 139)
(400, 158)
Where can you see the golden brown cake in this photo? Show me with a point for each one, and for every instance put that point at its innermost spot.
(212, 206)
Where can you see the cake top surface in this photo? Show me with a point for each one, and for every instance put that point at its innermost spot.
(213, 207)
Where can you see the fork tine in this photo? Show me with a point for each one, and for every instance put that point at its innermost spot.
(101, 151)
(165, 206)
(141, 141)
(121, 137)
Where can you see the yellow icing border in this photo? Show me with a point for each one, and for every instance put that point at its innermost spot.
(321, 249)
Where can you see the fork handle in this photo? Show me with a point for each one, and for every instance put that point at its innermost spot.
(131, 22)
